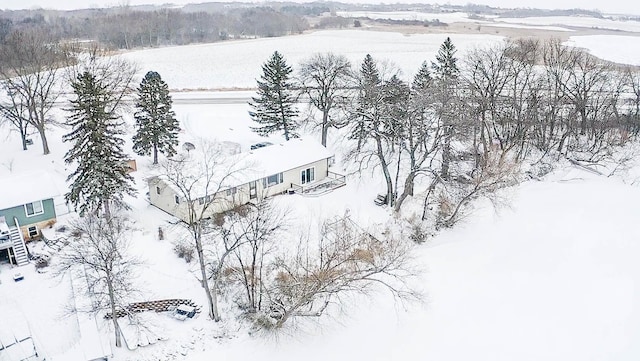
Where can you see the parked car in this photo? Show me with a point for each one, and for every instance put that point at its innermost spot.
(260, 145)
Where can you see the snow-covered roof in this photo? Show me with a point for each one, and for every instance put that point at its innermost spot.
(250, 166)
(23, 188)
(284, 156)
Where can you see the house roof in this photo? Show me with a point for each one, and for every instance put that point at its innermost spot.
(23, 188)
(255, 164)
(282, 157)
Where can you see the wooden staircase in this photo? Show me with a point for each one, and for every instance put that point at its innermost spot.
(19, 248)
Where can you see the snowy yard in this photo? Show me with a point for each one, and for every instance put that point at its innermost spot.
(552, 276)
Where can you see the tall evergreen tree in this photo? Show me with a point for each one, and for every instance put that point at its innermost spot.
(156, 124)
(101, 178)
(445, 74)
(274, 108)
(368, 100)
(445, 67)
(422, 81)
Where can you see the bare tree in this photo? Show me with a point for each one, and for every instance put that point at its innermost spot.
(325, 78)
(422, 134)
(499, 171)
(254, 229)
(488, 75)
(199, 179)
(590, 90)
(16, 114)
(347, 260)
(500, 81)
(31, 82)
(99, 253)
(633, 102)
(373, 119)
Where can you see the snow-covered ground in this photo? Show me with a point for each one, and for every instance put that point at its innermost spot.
(576, 21)
(521, 26)
(237, 64)
(617, 48)
(553, 276)
(552, 23)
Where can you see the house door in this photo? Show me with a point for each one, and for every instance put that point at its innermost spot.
(307, 175)
(253, 193)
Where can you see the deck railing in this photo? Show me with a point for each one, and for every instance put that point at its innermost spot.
(332, 181)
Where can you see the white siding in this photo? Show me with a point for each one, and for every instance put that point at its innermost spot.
(225, 200)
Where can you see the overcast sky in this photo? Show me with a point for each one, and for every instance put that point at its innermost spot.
(608, 6)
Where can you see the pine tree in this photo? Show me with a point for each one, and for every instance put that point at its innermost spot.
(445, 67)
(396, 108)
(445, 72)
(274, 108)
(422, 80)
(156, 123)
(101, 177)
(369, 98)
(421, 94)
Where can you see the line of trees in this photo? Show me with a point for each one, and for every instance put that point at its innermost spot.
(462, 126)
(127, 28)
(101, 180)
(30, 76)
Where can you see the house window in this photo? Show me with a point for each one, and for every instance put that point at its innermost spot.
(231, 191)
(33, 231)
(33, 209)
(203, 200)
(177, 200)
(272, 180)
(157, 190)
(307, 175)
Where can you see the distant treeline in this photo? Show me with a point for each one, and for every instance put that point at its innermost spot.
(126, 28)
(426, 23)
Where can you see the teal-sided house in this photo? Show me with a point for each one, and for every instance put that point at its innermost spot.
(26, 206)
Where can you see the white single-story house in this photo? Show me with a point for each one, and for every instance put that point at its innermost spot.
(299, 165)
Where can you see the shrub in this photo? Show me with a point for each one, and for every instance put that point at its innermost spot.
(184, 251)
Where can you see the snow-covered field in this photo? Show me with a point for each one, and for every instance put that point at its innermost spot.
(237, 64)
(576, 21)
(617, 48)
(550, 23)
(521, 26)
(553, 276)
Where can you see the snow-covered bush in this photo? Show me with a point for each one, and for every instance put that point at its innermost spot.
(184, 250)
